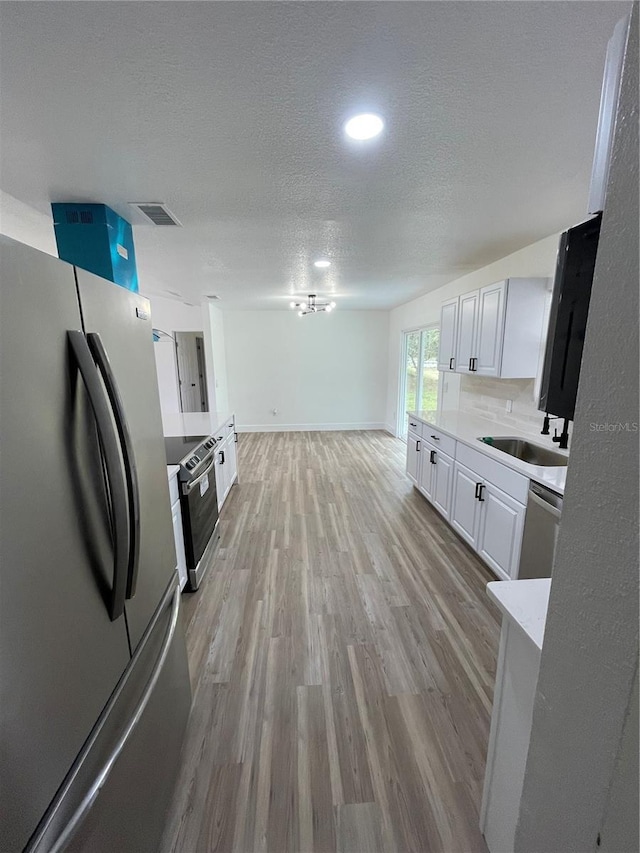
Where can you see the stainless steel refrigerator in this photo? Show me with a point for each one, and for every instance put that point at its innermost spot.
(94, 681)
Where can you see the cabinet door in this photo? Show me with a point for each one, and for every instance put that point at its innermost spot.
(413, 457)
(500, 536)
(467, 323)
(232, 459)
(444, 482)
(220, 476)
(176, 516)
(448, 330)
(465, 506)
(427, 478)
(491, 308)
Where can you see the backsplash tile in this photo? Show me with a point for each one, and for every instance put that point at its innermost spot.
(487, 397)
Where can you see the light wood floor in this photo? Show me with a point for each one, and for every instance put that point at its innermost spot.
(342, 653)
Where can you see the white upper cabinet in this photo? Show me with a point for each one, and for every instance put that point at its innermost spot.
(467, 329)
(448, 330)
(488, 349)
(499, 329)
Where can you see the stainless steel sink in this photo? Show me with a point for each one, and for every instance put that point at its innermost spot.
(527, 452)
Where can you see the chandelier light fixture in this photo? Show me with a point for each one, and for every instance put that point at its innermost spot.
(312, 306)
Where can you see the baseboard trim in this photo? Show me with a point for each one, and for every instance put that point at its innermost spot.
(308, 427)
(390, 429)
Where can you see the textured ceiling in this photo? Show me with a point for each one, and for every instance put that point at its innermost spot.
(232, 113)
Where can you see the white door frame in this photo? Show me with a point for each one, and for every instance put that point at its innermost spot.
(403, 375)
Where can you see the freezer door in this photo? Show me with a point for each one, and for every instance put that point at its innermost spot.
(60, 653)
(122, 322)
(117, 796)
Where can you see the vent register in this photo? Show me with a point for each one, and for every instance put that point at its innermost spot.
(156, 212)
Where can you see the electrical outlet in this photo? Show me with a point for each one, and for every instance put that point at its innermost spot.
(509, 406)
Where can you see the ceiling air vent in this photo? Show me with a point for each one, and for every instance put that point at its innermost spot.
(156, 212)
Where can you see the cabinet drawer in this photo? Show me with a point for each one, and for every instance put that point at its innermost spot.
(514, 484)
(174, 491)
(415, 425)
(439, 440)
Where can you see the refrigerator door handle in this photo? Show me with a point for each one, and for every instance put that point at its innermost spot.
(106, 371)
(113, 464)
(40, 842)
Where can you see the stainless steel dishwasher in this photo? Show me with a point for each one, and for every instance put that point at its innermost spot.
(542, 521)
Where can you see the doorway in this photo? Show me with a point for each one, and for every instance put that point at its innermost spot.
(419, 376)
(191, 370)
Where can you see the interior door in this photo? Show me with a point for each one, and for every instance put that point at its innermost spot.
(500, 535)
(122, 319)
(491, 311)
(467, 324)
(448, 328)
(465, 506)
(61, 655)
(190, 361)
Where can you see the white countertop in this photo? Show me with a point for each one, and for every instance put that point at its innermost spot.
(172, 470)
(193, 423)
(525, 603)
(468, 428)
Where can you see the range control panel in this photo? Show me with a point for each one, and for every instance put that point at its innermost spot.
(196, 459)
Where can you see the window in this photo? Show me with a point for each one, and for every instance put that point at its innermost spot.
(420, 380)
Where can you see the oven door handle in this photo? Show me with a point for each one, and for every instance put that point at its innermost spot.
(187, 488)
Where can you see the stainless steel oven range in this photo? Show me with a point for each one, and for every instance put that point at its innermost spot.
(195, 454)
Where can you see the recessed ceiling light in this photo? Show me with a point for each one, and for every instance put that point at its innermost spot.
(364, 126)
(322, 264)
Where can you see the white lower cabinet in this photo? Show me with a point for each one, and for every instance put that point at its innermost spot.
(489, 518)
(501, 527)
(427, 472)
(434, 476)
(413, 457)
(232, 460)
(178, 537)
(465, 505)
(226, 465)
(444, 483)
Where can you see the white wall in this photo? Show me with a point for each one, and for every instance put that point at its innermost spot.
(538, 259)
(22, 222)
(218, 359)
(327, 371)
(173, 316)
(585, 692)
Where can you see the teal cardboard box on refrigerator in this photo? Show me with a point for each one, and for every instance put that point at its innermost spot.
(94, 237)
